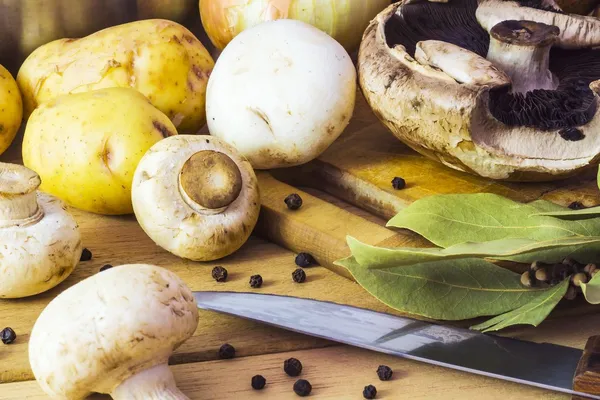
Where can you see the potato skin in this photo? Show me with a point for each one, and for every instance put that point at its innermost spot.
(11, 109)
(86, 146)
(160, 58)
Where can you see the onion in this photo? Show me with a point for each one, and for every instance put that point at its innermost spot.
(344, 20)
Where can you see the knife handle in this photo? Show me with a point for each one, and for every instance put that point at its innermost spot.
(587, 374)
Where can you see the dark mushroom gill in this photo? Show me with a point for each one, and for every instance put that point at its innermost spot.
(571, 104)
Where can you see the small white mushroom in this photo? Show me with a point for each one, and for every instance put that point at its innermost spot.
(281, 92)
(113, 333)
(196, 197)
(41, 243)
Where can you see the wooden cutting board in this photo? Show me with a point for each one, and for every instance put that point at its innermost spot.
(359, 168)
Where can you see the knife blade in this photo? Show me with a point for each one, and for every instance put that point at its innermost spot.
(543, 365)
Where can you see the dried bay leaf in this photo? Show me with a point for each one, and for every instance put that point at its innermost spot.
(591, 290)
(586, 213)
(584, 249)
(445, 290)
(447, 220)
(532, 313)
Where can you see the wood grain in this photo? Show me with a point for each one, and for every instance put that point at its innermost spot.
(361, 164)
(339, 372)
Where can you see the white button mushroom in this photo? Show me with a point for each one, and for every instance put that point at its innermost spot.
(41, 243)
(113, 333)
(196, 196)
(281, 92)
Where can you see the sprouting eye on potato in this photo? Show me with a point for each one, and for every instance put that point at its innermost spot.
(11, 109)
(161, 59)
(86, 146)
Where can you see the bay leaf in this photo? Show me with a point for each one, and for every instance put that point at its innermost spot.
(532, 313)
(445, 290)
(586, 213)
(446, 220)
(583, 249)
(591, 290)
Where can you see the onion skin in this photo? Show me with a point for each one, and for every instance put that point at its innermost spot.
(344, 20)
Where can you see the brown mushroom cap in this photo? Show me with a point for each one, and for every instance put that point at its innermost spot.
(409, 71)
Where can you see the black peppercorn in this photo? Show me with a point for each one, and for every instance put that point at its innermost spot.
(219, 274)
(575, 266)
(105, 267)
(7, 335)
(293, 201)
(384, 373)
(576, 205)
(302, 387)
(292, 367)
(299, 275)
(370, 392)
(398, 183)
(305, 260)
(86, 255)
(226, 351)
(256, 281)
(258, 382)
(561, 271)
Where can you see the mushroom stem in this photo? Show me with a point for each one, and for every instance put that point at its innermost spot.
(522, 50)
(209, 182)
(18, 197)
(155, 383)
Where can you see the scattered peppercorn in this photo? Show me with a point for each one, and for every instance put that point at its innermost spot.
(302, 387)
(299, 275)
(86, 255)
(571, 293)
(292, 367)
(541, 275)
(398, 183)
(576, 205)
(258, 382)
(226, 351)
(370, 392)
(575, 265)
(384, 373)
(293, 201)
(256, 281)
(561, 271)
(579, 278)
(305, 260)
(7, 335)
(526, 279)
(105, 267)
(219, 274)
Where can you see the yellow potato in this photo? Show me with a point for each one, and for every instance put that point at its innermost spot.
(11, 109)
(160, 58)
(86, 146)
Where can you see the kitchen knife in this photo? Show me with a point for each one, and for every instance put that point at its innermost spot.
(548, 366)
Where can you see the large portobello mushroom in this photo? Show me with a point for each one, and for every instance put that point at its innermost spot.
(503, 89)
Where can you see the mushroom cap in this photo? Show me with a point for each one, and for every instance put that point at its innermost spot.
(108, 327)
(419, 91)
(281, 92)
(38, 256)
(17, 180)
(209, 220)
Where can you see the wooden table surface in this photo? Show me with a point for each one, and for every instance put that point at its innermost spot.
(335, 371)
